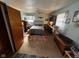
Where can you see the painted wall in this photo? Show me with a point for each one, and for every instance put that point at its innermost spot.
(5, 1)
(24, 14)
(72, 29)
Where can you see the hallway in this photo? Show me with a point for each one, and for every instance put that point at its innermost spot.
(39, 47)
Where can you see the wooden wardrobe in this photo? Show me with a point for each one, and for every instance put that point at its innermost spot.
(15, 26)
(5, 46)
(11, 32)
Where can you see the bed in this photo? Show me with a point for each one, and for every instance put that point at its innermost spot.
(37, 30)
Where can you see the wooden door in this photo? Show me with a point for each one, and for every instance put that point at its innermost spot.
(15, 27)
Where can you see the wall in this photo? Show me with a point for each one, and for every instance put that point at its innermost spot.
(5, 1)
(72, 29)
(24, 14)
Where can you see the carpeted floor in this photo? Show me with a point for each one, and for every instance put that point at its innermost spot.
(40, 47)
(20, 55)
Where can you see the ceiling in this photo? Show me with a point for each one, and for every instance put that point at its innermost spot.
(42, 5)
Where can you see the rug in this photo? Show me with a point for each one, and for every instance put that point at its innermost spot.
(27, 56)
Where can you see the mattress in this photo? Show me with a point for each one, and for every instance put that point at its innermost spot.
(37, 30)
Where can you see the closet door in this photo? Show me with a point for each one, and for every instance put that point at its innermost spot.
(15, 27)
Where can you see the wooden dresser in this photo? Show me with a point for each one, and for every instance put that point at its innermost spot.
(63, 42)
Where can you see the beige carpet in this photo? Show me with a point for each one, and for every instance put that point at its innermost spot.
(46, 48)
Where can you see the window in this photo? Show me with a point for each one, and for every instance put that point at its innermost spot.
(61, 21)
(30, 18)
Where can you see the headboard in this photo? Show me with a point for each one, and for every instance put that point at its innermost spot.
(38, 22)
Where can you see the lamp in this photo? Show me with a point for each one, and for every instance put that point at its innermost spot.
(51, 23)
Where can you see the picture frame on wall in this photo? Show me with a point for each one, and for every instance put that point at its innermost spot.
(67, 17)
(67, 20)
(76, 16)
